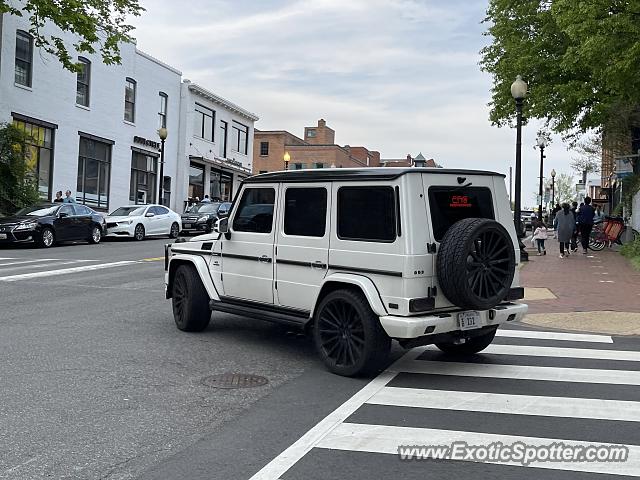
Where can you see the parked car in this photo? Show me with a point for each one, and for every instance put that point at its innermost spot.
(359, 257)
(141, 221)
(202, 216)
(49, 223)
(525, 216)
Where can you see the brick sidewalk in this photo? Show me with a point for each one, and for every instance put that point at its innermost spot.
(599, 281)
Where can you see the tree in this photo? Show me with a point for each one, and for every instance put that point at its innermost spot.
(97, 24)
(580, 60)
(18, 183)
(564, 189)
(589, 157)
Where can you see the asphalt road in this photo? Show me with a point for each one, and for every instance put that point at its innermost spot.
(98, 383)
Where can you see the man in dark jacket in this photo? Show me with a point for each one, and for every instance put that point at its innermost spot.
(585, 223)
(574, 237)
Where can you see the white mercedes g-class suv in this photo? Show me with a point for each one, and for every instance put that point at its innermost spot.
(359, 257)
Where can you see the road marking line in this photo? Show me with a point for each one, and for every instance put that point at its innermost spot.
(527, 350)
(154, 259)
(40, 265)
(570, 337)
(523, 372)
(64, 271)
(569, 407)
(21, 262)
(283, 462)
(385, 439)
(606, 281)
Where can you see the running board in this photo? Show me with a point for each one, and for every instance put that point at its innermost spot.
(270, 313)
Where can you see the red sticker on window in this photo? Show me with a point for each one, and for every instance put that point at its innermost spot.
(458, 201)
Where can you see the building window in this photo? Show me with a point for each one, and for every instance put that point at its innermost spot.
(240, 137)
(83, 82)
(203, 122)
(24, 58)
(162, 114)
(263, 171)
(255, 212)
(311, 133)
(39, 154)
(299, 166)
(94, 169)
(142, 188)
(319, 165)
(196, 181)
(367, 214)
(264, 149)
(305, 212)
(219, 186)
(130, 100)
(223, 138)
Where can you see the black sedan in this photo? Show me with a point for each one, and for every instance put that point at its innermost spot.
(49, 223)
(201, 217)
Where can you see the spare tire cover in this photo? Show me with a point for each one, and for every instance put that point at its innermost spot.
(476, 263)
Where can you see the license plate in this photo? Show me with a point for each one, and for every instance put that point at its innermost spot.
(469, 320)
(186, 225)
(3, 236)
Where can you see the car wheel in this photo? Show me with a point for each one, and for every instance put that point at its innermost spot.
(175, 230)
(348, 335)
(96, 235)
(190, 301)
(47, 238)
(138, 232)
(472, 345)
(476, 263)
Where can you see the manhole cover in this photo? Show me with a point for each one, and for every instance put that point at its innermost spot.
(234, 380)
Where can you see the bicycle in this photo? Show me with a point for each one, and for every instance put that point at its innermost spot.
(609, 232)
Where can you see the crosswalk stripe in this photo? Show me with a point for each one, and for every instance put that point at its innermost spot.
(39, 265)
(571, 337)
(386, 439)
(510, 404)
(64, 271)
(535, 351)
(523, 372)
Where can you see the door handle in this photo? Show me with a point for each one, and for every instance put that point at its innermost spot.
(319, 264)
(264, 259)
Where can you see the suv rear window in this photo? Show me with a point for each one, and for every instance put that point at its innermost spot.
(450, 204)
(367, 214)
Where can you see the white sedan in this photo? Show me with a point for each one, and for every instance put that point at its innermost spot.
(140, 221)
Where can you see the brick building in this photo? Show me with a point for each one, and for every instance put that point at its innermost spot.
(317, 150)
(417, 161)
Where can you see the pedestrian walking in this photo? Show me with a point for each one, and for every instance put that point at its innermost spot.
(68, 198)
(540, 234)
(58, 198)
(585, 225)
(566, 228)
(574, 235)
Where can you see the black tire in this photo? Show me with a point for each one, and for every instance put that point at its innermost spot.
(472, 345)
(47, 238)
(348, 335)
(138, 232)
(96, 235)
(476, 263)
(189, 300)
(174, 231)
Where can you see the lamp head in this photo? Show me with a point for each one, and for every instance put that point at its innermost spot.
(553, 173)
(162, 133)
(519, 88)
(287, 157)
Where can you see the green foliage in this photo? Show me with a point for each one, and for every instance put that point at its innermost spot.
(632, 252)
(580, 59)
(97, 24)
(18, 183)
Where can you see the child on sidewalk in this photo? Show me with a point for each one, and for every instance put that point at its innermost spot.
(540, 234)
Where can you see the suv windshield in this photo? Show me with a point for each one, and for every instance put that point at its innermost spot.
(37, 211)
(127, 211)
(205, 208)
(451, 204)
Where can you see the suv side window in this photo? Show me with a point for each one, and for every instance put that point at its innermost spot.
(305, 212)
(451, 204)
(255, 212)
(367, 214)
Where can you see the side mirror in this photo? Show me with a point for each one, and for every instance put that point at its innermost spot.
(150, 214)
(63, 215)
(222, 225)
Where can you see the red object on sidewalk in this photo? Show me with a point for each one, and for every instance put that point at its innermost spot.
(583, 283)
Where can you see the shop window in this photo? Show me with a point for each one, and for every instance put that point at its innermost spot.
(196, 181)
(143, 185)
(94, 170)
(39, 153)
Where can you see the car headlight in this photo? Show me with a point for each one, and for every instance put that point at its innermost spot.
(204, 218)
(26, 226)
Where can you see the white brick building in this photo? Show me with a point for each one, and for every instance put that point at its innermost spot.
(95, 133)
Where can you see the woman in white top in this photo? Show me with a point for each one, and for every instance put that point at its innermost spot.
(540, 234)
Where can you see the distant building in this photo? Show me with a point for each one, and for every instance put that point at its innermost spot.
(317, 150)
(417, 161)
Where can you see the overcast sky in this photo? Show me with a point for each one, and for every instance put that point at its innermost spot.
(397, 76)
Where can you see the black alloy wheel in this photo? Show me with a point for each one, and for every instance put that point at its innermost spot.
(138, 232)
(348, 335)
(190, 301)
(175, 230)
(487, 265)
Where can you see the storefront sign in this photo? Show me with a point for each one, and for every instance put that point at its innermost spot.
(233, 162)
(148, 143)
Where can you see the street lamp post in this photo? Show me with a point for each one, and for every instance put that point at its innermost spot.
(519, 91)
(553, 188)
(286, 159)
(542, 143)
(162, 133)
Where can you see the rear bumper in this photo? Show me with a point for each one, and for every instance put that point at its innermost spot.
(413, 327)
